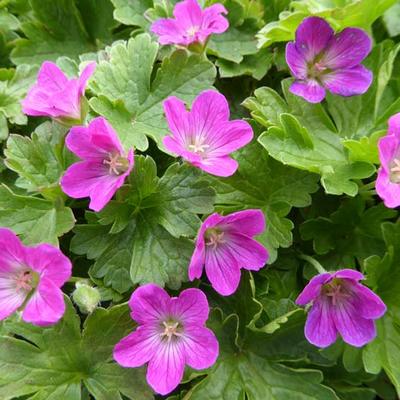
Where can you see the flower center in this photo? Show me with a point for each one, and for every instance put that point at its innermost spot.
(171, 329)
(198, 146)
(26, 280)
(117, 164)
(214, 238)
(395, 171)
(192, 31)
(336, 291)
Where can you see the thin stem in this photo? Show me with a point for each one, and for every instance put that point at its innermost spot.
(367, 187)
(75, 279)
(320, 269)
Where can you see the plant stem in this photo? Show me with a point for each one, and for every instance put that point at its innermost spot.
(320, 269)
(75, 279)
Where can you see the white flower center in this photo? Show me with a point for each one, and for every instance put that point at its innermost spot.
(116, 164)
(395, 171)
(214, 238)
(24, 281)
(198, 147)
(192, 31)
(171, 329)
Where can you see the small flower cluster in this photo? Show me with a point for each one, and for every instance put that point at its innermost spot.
(171, 331)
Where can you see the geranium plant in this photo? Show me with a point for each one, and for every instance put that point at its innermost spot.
(198, 200)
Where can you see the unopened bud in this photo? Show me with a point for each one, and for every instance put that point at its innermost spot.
(86, 297)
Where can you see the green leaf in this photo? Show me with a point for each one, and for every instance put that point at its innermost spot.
(149, 229)
(131, 12)
(12, 91)
(244, 374)
(342, 14)
(40, 160)
(131, 98)
(301, 134)
(36, 220)
(391, 19)
(256, 65)
(52, 363)
(233, 44)
(57, 28)
(270, 186)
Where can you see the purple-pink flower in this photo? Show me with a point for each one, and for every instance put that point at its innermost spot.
(320, 60)
(191, 24)
(104, 164)
(224, 245)
(340, 304)
(388, 180)
(171, 333)
(204, 136)
(30, 280)
(56, 96)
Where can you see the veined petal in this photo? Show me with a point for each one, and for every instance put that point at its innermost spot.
(348, 273)
(310, 90)
(10, 298)
(177, 119)
(51, 78)
(165, 370)
(388, 147)
(354, 329)
(347, 49)
(12, 252)
(320, 329)
(313, 289)
(200, 346)
(348, 82)
(169, 32)
(368, 304)
(394, 125)
(213, 21)
(218, 166)
(248, 253)
(188, 13)
(222, 270)
(247, 222)
(49, 262)
(197, 261)
(389, 192)
(296, 61)
(46, 306)
(138, 347)
(149, 303)
(312, 37)
(191, 307)
(85, 76)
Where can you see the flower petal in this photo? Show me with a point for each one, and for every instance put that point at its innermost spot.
(369, 304)
(197, 261)
(222, 271)
(394, 125)
(312, 37)
(389, 192)
(347, 49)
(10, 298)
(218, 166)
(188, 13)
(320, 329)
(313, 288)
(213, 21)
(50, 263)
(355, 330)
(165, 370)
(51, 78)
(348, 273)
(296, 61)
(46, 306)
(388, 147)
(348, 82)
(138, 347)
(310, 90)
(248, 253)
(149, 303)
(177, 119)
(85, 76)
(191, 307)
(200, 346)
(12, 251)
(248, 222)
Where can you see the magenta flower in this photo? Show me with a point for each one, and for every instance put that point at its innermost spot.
(104, 164)
(204, 136)
(225, 245)
(191, 24)
(319, 60)
(171, 333)
(30, 280)
(388, 180)
(340, 304)
(56, 96)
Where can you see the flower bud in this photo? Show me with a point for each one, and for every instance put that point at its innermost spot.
(86, 297)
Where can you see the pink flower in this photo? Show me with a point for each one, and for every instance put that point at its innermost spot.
(56, 96)
(388, 180)
(171, 333)
(191, 24)
(340, 305)
(30, 279)
(321, 60)
(204, 136)
(225, 245)
(104, 165)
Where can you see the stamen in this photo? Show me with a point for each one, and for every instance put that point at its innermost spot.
(116, 164)
(170, 330)
(215, 238)
(198, 148)
(334, 290)
(192, 31)
(24, 281)
(395, 171)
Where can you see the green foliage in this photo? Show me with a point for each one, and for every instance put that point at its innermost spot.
(52, 363)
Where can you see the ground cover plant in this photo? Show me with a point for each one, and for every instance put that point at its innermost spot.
(198, 199)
